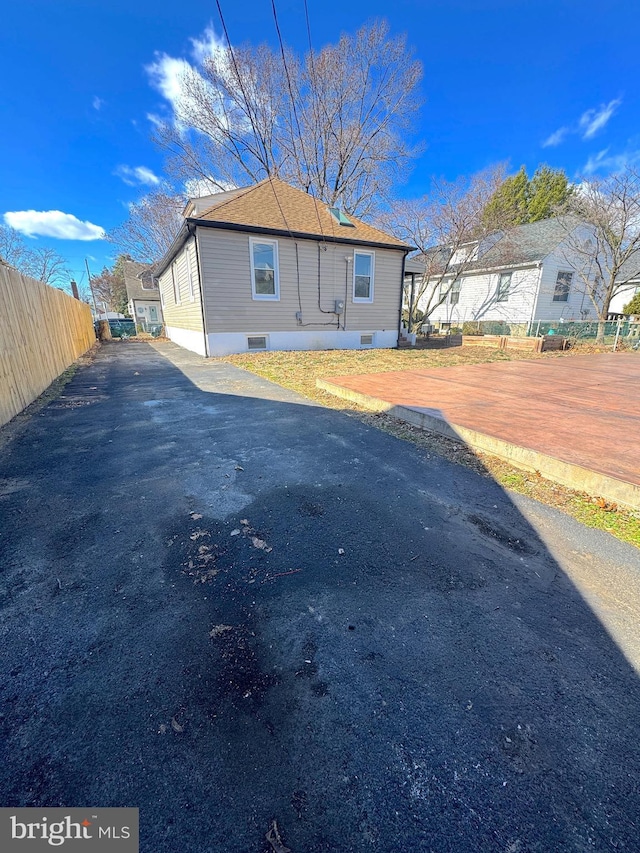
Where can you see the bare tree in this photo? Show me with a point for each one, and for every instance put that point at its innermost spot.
(334, 124)
(448, 229)
(43, 263)
(604, 251)
(12, 248)
(153, 223)
(109, 287)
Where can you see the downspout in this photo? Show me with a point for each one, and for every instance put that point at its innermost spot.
(193, 232)
(404, 259)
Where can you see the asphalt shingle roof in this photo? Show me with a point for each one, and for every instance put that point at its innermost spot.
(524, 244)
(273, 204)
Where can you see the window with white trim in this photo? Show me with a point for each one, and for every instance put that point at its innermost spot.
(176, 283)
(563, 286)
(504, 285)
(454, 296)
(265, 277)
(363, 272)
(187, 256)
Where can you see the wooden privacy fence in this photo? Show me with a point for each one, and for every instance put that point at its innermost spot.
(42, 332)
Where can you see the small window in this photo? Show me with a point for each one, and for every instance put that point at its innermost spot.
(504, 285)
(363, 264)
(455, 292)
(257, 342)
(366, 340)
(176, 284)
(187, 255)
(563, 285)
(265, 282)
(340, 217)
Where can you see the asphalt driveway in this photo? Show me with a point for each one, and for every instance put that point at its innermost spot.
(225, 605)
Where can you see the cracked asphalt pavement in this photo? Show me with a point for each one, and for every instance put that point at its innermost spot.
(225, 605)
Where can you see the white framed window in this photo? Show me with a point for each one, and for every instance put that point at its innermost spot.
(563, 286)
(504, 285)
(265, 277)
(175, 280)
(363, 273)
(187, 256)
(454, 294)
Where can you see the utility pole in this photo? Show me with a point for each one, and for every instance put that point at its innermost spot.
(93, 296)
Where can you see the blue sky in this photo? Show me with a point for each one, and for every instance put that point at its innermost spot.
(528, 82)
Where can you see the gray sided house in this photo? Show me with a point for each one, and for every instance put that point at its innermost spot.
(517, 278)
(269, 267)
(143, 294)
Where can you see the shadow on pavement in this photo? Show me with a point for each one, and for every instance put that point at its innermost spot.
(229, 606)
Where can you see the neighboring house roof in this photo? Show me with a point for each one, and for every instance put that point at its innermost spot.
(522, 245)
(630, 271)
(273, 205)
(135, 275)
(527, 244)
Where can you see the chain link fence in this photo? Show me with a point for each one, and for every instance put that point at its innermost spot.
(621, 334)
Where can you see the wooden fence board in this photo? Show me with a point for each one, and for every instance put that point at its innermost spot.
(42, 332)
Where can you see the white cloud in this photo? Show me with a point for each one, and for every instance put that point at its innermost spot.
(207, 46)
(556, 138)
(168, 75)
(97, 103)
(604, 161)
(594, 120)
(589, 123)
(52, 223)
(137, 176)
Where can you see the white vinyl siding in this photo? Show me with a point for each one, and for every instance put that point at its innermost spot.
(363, 275)
(265, 277)
(478, 299)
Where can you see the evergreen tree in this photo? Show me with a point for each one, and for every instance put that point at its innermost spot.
(548, 190)
(520, 200)
(633, 307)
(509, 205)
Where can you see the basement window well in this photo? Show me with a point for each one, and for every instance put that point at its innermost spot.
(257, 342)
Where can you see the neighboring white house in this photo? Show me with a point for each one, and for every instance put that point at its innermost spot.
(143, 294)
(269, 267)
(518, 279)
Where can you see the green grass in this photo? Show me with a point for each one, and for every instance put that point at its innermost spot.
(298, 371)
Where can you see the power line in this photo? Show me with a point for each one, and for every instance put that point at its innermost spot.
(293, 104)
(242, 89)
